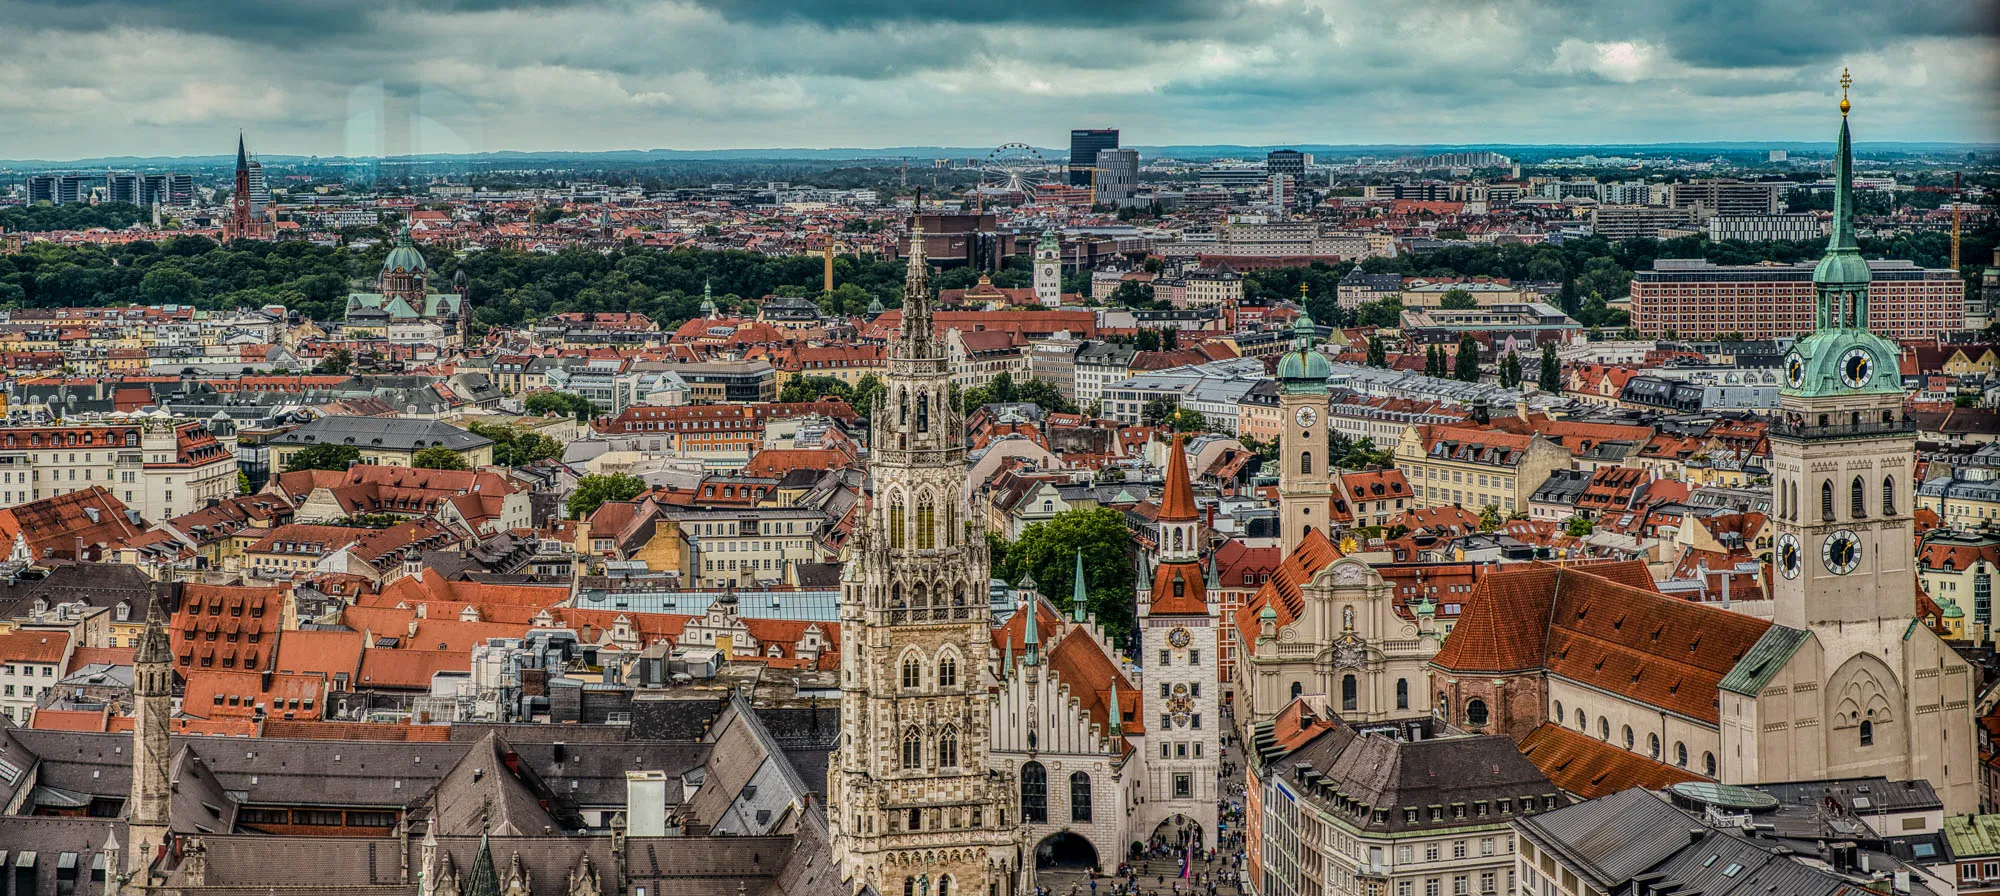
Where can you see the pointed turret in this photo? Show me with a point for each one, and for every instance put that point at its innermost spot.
(916, 337)
(1117, 728)
(485, 878)
(242, 155)
(1030, 633)
(1177, 580)
(707, 301)
(1177, 504)
(1079, 596)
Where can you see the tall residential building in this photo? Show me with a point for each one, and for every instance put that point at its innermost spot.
(1084, 145)
(911, 805)
(1707, 197)
(260, 192)
(1117, 175)
(1628, 222)
(1696, 299)
(1290, 162)
(60, 189)
(123, 186)
(1759, 228)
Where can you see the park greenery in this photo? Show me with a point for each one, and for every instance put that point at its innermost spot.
(1049, 549)
(438, 457)
(592, 491)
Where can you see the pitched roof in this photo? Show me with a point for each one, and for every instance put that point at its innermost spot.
(1177, 505)
(1079, 661)
(1282, 592)
(1591, 768)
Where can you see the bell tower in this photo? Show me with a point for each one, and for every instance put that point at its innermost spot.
(1305, 474)
(1843, 449)
(1048, 270)
(153, 697)
(911, 801)
(1178, 628)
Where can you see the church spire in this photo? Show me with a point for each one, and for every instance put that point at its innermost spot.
(916, 337)
(1116, 719)
(1079, 596)
(242, 156)
(1841, 279)
(1031, 635)
(1177, 504)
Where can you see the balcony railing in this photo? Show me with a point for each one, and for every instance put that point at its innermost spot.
(1807, 429)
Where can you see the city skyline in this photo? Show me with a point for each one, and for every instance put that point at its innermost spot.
(131, 78)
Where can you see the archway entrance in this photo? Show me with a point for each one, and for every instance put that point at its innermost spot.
(1174, 835)
(1065, 850)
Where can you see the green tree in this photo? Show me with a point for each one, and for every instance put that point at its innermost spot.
(1357, 454)
(1551, 376)
(1510, 370)
(1489, 518)
(867, 391)
(323, 457)
(514, 447)
(1433, 363)
(814, 388)
(1457, 300)
(1378, 352)
(1382, 313)
(164, 285)
(1158, 411)
(567, 403)
(337, 362)
(1048, 550)
(438, 457)
(592, 491)
(1186, 420)
(1465, 366)
(1578, 526)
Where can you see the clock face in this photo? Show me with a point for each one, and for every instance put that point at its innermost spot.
(1179, 638)
(1841, 553)
(1795, 370)
(1791, 561)
(1307, 416)
(1857, 367)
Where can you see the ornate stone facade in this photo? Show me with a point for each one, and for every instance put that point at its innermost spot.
(911, 804)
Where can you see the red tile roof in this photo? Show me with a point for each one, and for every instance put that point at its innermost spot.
(1282, 593)
(1591, 768)
(1177, 505)
(227, 627)
(1079, 661)
(33, 646)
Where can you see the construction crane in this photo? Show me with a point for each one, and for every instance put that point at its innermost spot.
(1093, 178)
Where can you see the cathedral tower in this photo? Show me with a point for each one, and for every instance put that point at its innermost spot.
(910, 801)
(153, 696)
(239, 225)
(1305, 473)
(1179, 629)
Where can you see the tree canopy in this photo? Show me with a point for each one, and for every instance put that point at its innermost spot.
(563, 403)
(1048, 549)
(592, 491)
(515, 447)
(438, 457)
(323, 457)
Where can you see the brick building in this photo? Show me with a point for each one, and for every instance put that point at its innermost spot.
(1696, 299)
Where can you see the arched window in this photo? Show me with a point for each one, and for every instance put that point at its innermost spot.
(923, 412)
(1079, 797)
(944, 886)
(1297, 689)
(1558, 715)
(1867, 733)
(1708, 764)
(913, 749)
(1888, 496)
(1582, 722)
(1826, 500)
(1857, 499)
(1350, 694)
(1629, 742)
(1305, 463)
(950, 523)
(947, 673)
(1680, 754)
(898, 521)
(1402, 693)
(1653, 745)
(1475, 713)
(1604, 728)
(1178, 543)
(909, 886)
(913, 674)
(1034, 794)
(926, 523)
(903, 406)
(947, 753)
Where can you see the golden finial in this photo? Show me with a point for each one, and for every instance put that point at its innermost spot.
(1846, 81)
(1302, 290)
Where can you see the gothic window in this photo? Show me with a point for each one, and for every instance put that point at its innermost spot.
(926, 522)
(896, 595)
(1867, 733)
(948, 748)
(951, 524)
(1826, 500)
(1034, 794)
(1475, 713)
(944, 886)
(1888, 496)
(1402, 693)
(1857, 499)
(903, 406)
(913, 674)
(897, 520)
(1079, 797)
(947, 673)
(1305, 463)
(1350, 696)
(1444, 708)
(913, 749)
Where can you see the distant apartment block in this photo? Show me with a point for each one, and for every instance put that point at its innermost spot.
(1762, 228)
(1707, 197)
(1627, 222)
(1696, 299)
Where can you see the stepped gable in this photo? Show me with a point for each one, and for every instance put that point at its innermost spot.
(1079, 661)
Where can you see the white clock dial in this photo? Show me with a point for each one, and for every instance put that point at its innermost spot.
(1795, 370)
(1857, 367)
(1841, 553)
(1307, 417)
(1791, 561)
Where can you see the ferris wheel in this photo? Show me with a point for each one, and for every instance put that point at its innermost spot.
(1015, 166)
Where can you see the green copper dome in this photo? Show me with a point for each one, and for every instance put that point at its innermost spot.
(405, 256)
(1304, 369)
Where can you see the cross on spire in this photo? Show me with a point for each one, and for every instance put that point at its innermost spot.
(1846, 81)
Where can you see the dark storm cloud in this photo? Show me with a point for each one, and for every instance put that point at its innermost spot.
(1734, 33)
(1083, 13)
(287, 22)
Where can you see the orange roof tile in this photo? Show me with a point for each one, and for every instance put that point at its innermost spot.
(1591, 768)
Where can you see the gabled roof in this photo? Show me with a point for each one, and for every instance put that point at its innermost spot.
(1283, 592)
(1079, 661)
(1591, 768)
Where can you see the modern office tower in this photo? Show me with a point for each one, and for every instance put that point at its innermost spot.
(58, 189)
(260, 192)
(1289, 161)
(1117, 175)
(122, 186)
(41, 188)
(1699, 300)
(1084, 145)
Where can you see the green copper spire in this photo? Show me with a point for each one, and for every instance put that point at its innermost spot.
(1116, 719)
(1031, 636)
(1841, 279)
(485, 879)
(1079, 597)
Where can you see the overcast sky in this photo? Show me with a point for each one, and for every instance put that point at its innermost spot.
(81, 78)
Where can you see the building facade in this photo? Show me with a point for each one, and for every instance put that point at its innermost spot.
(1695, 300)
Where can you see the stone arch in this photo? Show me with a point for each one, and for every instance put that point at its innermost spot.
(910, 665)
(926, 520)
(1863, 698)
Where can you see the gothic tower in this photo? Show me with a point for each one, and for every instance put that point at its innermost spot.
(1843, 451)
(153, 695)
(461, 286)
(1179, 629)
(910, 802)
(238, 227)
(1048, 270)
(1305, 473)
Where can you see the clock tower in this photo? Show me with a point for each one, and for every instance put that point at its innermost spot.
(1843, 450)
(1178, 628)
(1305, 473)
